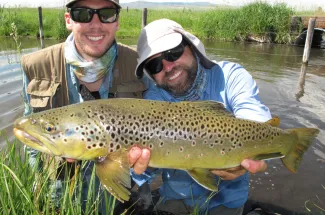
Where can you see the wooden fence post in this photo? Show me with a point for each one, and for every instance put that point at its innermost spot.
(309, 39)
(301, 83)
(40, 20)
(144, 17)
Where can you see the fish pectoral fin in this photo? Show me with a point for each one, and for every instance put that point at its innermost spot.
(268, 156)
(205, 178)
(114, 174)
(274, 122)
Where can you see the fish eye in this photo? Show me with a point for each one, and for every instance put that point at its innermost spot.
(49, 128)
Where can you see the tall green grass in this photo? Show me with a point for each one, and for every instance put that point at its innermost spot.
(26, 20)
(26, 190)
(230, 24)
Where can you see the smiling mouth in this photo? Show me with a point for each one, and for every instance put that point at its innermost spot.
(176, 75)
(95, 39)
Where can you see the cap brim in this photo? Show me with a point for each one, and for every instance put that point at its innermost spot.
(71, 3)
(162, 44)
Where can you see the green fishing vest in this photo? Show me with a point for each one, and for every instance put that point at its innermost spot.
(46, 71)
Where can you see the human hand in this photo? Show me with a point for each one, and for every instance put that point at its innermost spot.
(251, 166)
(70, 160)
(139, 159)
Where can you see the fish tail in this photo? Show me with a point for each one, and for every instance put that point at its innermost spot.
(305, 137)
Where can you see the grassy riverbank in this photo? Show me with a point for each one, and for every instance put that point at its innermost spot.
(257, 19)
(27, 190)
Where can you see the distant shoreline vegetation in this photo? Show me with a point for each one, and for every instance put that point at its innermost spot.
(261, 21)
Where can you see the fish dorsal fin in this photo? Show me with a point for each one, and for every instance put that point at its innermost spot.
(114, 173)
(274, 122)
(205, 178)
(217, 108)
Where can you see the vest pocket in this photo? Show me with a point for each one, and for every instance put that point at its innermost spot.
(41, 93)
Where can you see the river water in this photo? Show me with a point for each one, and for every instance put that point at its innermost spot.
(298, 101)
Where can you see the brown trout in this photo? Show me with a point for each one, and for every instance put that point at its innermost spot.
(191, 136)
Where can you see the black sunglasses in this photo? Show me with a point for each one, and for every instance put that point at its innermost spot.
(85, 15)
(155, 65)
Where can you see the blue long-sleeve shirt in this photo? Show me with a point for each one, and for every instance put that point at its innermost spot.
(232, 85)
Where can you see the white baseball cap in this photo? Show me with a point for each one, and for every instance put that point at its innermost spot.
(162, 35)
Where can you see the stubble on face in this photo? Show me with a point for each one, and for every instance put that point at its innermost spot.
(181, 87)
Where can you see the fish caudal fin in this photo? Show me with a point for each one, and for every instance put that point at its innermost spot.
(114, 173)
(305, 137)
(205, 178)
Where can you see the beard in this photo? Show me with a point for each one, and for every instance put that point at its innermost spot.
(180, 88)
(88, 51)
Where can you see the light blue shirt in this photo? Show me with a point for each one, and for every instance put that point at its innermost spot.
(232, 85)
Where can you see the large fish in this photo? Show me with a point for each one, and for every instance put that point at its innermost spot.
(192, 136)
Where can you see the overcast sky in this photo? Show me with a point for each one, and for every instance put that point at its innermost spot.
(298, 4)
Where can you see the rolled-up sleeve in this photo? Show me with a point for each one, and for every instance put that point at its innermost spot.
(243, 95)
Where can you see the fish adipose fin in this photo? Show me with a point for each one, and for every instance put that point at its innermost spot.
(114, 173)
(274, 122)
(205, 178)
(305, 137)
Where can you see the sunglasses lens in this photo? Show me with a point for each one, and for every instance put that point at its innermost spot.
(155, 65)
(107, 15)
(83, 15)
(173, 54)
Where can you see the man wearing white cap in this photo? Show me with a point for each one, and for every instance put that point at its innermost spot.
(176, 68)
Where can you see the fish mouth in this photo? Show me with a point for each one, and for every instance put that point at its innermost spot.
(34, 142)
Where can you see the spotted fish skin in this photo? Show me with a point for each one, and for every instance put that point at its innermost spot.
(192, 136)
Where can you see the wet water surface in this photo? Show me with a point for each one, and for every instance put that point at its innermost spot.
(297, 99)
